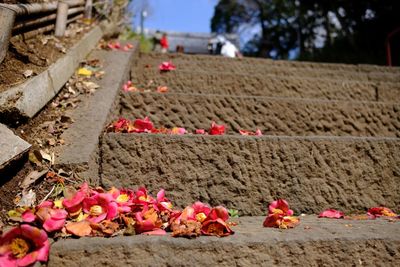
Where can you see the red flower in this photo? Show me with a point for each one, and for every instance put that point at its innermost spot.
(215, 223)
(147, 220)
(167, 66)
(280, 221)
(162, 89)
(280, 206)
(99, 207)
(280, 216)
(380, 211)
(178, 131)
(200, 131)
(23, 246)
(256, 133)
(114, 45)
(217, 129)
(143, 125)
(73, 204)
(52, 219)
(128, 87)
(331, 213)
(162, 203)
(124, 199)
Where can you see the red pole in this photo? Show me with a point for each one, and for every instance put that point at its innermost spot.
(388, 53)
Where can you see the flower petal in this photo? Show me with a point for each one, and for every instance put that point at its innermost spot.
(331, 213)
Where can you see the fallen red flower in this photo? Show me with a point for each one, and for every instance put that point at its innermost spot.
(249, 133)
(331, 213)
(217, 129)
(377, 212)
(280, 206)
(143, 125)
(280, 221)
(23, 246)
(167, 66)
(162, 89)
(114, 45)
(128, 87)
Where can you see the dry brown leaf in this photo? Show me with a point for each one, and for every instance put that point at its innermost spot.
(80, 229)
(32, 177)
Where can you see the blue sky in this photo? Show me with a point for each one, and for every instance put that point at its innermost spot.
(180, 15)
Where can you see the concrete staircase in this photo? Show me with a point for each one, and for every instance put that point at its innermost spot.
(331, 140)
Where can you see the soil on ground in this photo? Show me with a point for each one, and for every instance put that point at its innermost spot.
(27, 58)
(43, 132)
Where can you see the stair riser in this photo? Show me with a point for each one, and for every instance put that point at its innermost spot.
(259, 85)
(277, 63)
(263, 69)
(273, 116)
(330, 253)
(247, 173)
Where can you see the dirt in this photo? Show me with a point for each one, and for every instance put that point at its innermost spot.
(27, 58)
(43, 132)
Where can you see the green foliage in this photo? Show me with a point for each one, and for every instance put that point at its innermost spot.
(351, 31)
(233, 213)
(146, 44)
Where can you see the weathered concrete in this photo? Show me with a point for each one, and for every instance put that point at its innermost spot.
(266, 67)
(27, 99)
(247, 173)
(274, 116)
(11, 146)
(82, 138)
(325, 243)
(203, 82)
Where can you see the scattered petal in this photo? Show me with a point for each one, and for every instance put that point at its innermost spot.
(331, 213)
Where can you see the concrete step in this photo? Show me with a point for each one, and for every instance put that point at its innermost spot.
(274, 116)
(11, 147)
(246, 173)
(80, 152)
(204, 82)
(243, 67)
(314, 242)
(279, 63)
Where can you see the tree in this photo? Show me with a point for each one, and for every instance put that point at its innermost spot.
(342, 30)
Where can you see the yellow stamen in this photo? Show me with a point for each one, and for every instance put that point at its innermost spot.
(96, 210)
(122, 198)
(19, 247)
(200, 217)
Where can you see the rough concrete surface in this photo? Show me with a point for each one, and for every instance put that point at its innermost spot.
(274, 116)
(246, 173)
(364, 68)
(82, 138)
(266, 67)
(30, 97)
(204, 82)
(11, 146)
(325, 243)
(257, 85)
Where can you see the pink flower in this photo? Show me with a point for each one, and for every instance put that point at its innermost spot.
(200, 131)
(167, 66)
(142, 198)
(147, 220)
(143, 125)
(52, 219)
(256, 133)
(217, 129)
(124, 199)
(163, 204)
(201, 210)
(162, 89)
(280, 216)
(127, 47)
(380, 211)
(73, 204)
(99, 207)
(114, 45)
(280, 206)
(23, 246)
(128, 87)
(178, 131)
(331, 213)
